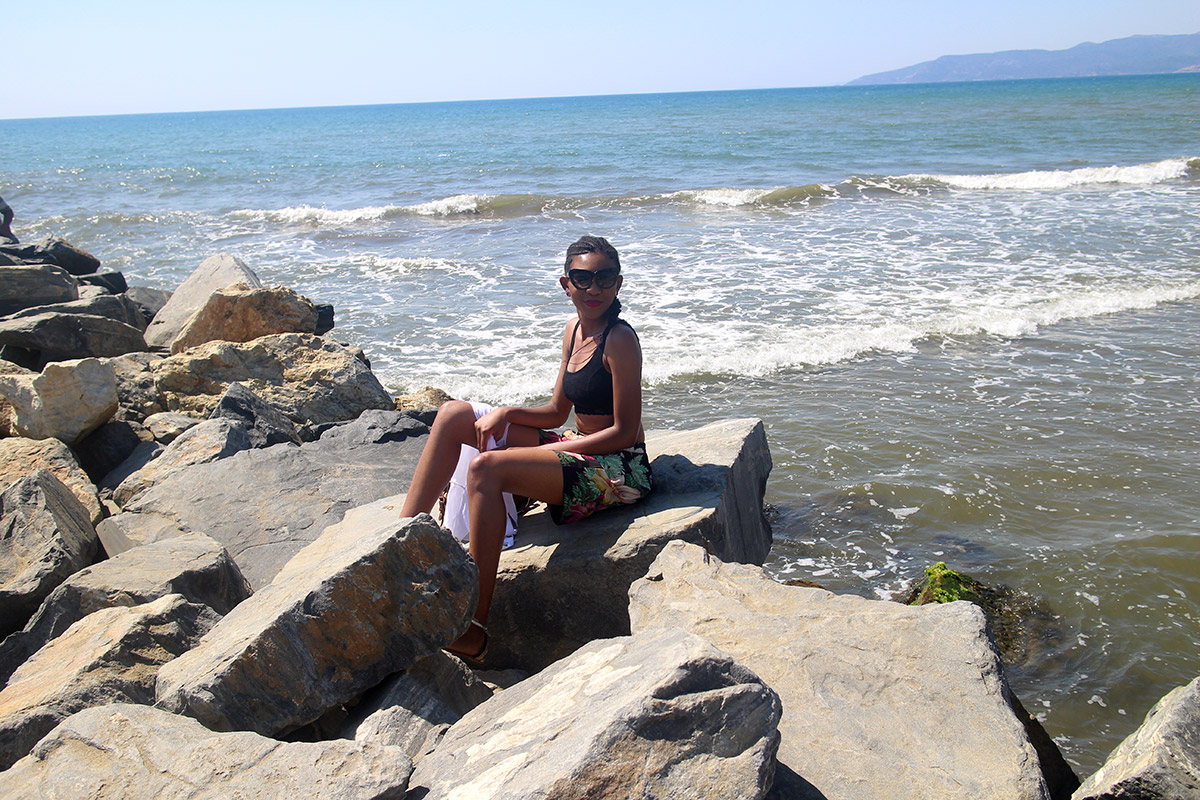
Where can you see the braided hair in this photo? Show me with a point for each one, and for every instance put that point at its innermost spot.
(596, 244)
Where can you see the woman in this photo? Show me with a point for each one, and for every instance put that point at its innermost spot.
(602, 463)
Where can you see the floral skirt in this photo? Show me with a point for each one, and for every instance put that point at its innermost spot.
(591, 483)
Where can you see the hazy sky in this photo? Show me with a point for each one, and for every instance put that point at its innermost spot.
(130, 56)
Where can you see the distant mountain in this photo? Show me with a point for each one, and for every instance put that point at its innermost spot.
(1134, 55)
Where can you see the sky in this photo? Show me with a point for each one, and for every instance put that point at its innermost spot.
(139, 56)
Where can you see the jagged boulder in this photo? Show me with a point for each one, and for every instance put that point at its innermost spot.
(414, 708)
(148, 300)
(214, 273)
(59, 336)
(108, 282)
(137, 394)
(109, 656)
(139, 457)
(114, 307)
(264, 505)
(6, 412)
(655, 716)
(875, 694)
(264, 424)
(209, 441)
(28, 285)
(140, 753)
(311, 380)
(560, 587)
(167, 426)
(1158, 761)
(347, 611)
(191, 565)
(240, 314)
(47, 536)
(107, 447)
(67, 400)
(20, 457)
(57, 251)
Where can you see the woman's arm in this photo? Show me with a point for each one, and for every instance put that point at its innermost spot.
(623, 355)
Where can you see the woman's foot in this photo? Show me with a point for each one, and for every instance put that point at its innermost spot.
(472, 645)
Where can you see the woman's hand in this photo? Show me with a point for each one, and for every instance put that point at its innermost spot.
(492, 425)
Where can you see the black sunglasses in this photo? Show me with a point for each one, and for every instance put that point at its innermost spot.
(604, 278)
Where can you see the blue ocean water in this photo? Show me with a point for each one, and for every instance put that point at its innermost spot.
(966, 313)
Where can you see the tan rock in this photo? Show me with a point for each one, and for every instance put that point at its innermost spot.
(20, 457)
(426, 397)
(45, 536)
(6, 412)
(214, 273)
(310, 379)
(351, 608)
(879, 699)
(111, 655)
(131, 752)
(708, 490)
(240, 314)
(660, 715)
(209, 441)
(67, 401)
(192, 565)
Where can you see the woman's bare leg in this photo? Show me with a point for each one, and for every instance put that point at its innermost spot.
(453, 427)
(523, 471)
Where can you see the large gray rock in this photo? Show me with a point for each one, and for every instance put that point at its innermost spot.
(264, 424)
(67, 400)
(20, 457)
(142, 455)
(563, 586)
(116, 307)
(348, 610)
(264, 505)
(131, 752)
(109, 656)
(313, 381)
(46, 537)
(1158, 761)
(209, 441)
(879, 699)
(137, 394)
(148, 300)
(191, 565)
(241, 313)
(414, 709)
(107, 447)
(57, 336)
(57, 251)
(214, 273)
(664, 715)
(29, 285)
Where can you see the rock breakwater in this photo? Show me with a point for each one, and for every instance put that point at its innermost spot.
(205, 582)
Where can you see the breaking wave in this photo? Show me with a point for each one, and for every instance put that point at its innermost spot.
(511, 206)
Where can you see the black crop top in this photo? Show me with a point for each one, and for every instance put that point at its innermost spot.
(590, 388)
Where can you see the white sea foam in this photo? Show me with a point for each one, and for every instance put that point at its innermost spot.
(1138, 174)
(314, 216)
(449, 206)
(722, 197)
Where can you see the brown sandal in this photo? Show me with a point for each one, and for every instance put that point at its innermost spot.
(479, 657)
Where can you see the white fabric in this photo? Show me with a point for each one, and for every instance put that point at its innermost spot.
(457, 517)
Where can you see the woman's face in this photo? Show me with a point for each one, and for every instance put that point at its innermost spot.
(592, 302)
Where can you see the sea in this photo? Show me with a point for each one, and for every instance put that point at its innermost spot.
(967, 314)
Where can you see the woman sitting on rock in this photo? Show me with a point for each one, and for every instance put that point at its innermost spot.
(601, 463)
